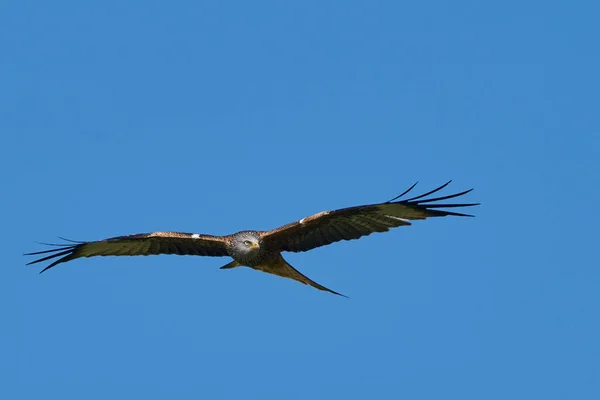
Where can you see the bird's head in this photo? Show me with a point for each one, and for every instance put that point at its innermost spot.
(246, 243)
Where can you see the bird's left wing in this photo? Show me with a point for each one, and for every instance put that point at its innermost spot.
(142, 244)
(354, 222)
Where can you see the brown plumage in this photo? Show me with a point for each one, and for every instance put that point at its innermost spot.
(261, 250)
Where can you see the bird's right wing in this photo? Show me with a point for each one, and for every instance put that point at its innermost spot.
(142, 244)
(350, 223)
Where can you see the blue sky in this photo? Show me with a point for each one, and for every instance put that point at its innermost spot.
(214, 117)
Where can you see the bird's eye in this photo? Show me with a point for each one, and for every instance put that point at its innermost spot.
(247, 243)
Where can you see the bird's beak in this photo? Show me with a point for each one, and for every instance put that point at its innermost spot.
(254, 246)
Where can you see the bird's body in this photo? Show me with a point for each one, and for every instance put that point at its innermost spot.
(261, 250)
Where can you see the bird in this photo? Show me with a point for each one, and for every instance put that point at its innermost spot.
(261, 250)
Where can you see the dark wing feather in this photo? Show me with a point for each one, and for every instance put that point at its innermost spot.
(354, 222)
(142, 244)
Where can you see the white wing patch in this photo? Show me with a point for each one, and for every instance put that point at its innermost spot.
(313, 217)
(195, 236)
(399, 219)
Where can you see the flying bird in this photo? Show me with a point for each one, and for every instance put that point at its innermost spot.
(261, 250)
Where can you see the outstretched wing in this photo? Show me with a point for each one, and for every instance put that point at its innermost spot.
(354, 222)
(142, 244)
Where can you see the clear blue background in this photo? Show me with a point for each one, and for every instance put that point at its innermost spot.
(213, 117)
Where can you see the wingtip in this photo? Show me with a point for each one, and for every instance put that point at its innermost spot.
(403, 193)
(55, 263)
(69, 240)
(474, 204)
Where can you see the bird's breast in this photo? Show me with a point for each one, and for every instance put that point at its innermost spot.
(255, 258)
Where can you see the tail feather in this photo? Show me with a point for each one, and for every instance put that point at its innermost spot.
(232, 264)
(281, 268)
